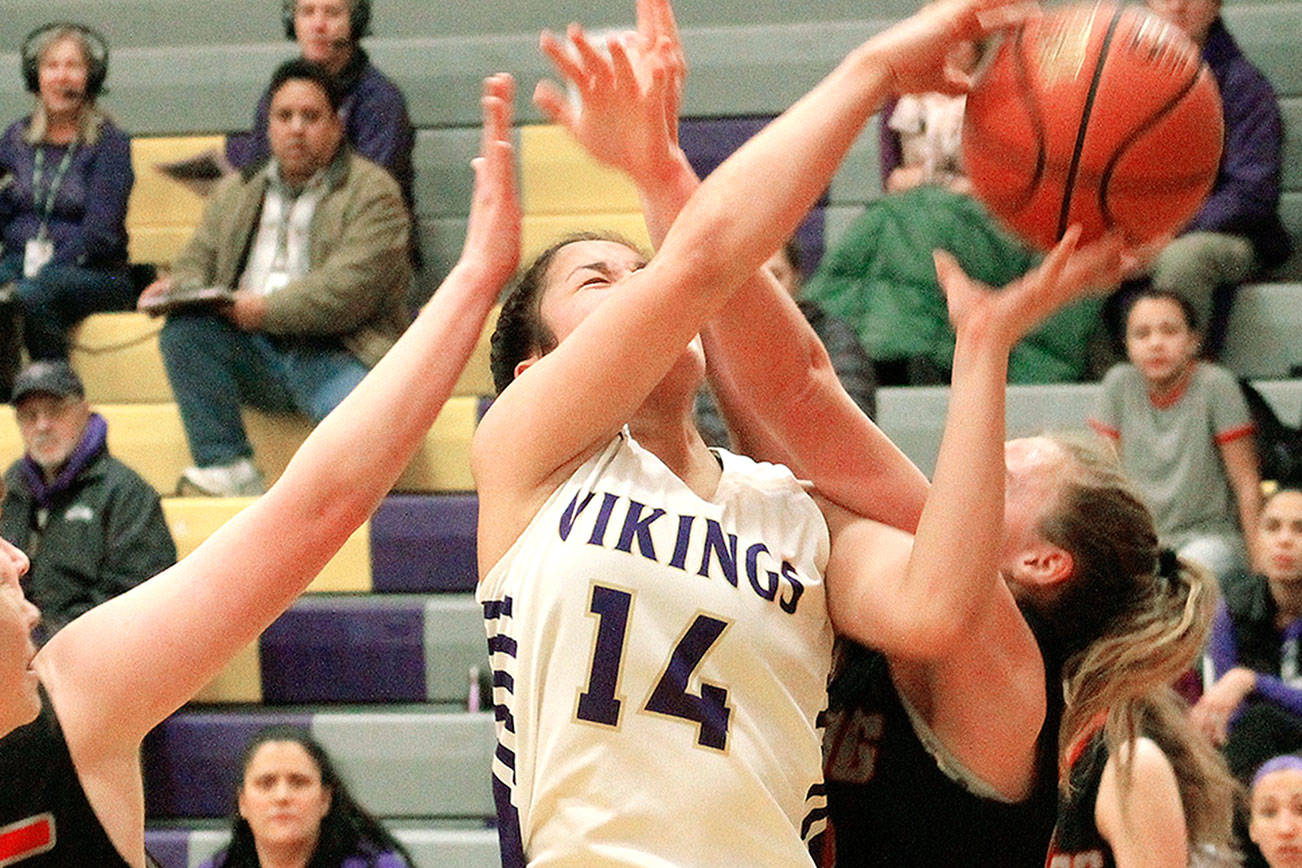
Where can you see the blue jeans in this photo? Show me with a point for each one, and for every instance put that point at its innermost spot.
(215, 368)
(59, 297)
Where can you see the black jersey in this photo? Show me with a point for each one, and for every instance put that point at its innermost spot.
(1077, 842)
(891, 805)
(45, 819)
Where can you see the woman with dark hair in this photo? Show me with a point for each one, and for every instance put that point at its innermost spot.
(74, 713)
(65, 176)
(294, 811)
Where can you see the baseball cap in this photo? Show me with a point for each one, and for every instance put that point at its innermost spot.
(48, 377)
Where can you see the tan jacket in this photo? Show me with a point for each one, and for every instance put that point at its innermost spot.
(357, 250)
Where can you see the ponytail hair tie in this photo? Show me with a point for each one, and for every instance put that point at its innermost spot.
(1168, 563)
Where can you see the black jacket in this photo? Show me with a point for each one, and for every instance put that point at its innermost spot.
(104, 535)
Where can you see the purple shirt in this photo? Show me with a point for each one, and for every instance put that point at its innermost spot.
(88, 220)
(1255, 620)
(1245, 198)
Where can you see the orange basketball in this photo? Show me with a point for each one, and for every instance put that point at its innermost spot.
(1097, 115)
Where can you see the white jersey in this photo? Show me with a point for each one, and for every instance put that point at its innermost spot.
(660, 669)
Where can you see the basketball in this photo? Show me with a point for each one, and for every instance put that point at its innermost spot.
(1097, 115)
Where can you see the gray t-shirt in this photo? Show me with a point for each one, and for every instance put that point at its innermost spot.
(1172, 452)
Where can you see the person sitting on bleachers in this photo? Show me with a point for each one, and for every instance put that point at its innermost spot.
(1185, 435)
(374, 110)
(65, 175)
(1237, 233)
(313, 244)
(852, 366)
(92, 527)
(1252, 704)
(293, 808)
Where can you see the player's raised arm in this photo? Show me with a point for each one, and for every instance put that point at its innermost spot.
(585, 389)
(120, 669)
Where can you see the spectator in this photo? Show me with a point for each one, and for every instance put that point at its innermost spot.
(295, 810)
(93, 527)
(374, 110)
(1276, 805)
(311, 246)
(851, 363)
(65, 175)
(1184, 433)
(1253, 709)
(1237, 232)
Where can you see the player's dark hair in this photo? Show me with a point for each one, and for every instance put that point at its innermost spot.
(346, 829)
(520, 331)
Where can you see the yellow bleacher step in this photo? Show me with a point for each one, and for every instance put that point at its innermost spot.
(162, 213)
(193, 519)
(239, 681)
(557, 176)
(150, 439)
(117, 356)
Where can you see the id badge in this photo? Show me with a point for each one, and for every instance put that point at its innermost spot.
(39, 252)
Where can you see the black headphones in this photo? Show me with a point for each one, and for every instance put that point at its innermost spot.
(359, 23)
(96, 47)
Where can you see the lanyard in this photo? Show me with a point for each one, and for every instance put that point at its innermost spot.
(52, 191)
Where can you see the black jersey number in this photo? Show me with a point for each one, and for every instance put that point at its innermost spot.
(708, 710)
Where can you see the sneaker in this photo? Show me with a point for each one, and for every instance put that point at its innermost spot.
(240, 478)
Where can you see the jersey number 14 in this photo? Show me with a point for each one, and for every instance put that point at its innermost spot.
(597, 704)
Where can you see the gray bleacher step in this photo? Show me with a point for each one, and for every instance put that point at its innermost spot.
(1264, 338)
(914, 416)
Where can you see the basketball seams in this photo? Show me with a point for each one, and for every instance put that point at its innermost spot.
(1034, 114)
(1069, 186)
(1169, 184)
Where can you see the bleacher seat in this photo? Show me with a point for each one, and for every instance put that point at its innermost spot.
(914, 417)
(421, 544)
(400, 761)
(367, 649)
(431, 844)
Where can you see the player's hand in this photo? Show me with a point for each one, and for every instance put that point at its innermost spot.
(628, 98)
(916, 50)
(1211, 714)
(493, 231)
(1066, 274)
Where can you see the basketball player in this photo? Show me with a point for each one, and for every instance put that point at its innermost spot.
(657, 613)
(983, 700)
(70, 780)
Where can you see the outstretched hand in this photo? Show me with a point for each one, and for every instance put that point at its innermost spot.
(916, 50)
(627, 115)
(1065, 275)
(493, 230)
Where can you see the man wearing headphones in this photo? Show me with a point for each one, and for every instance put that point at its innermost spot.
(65, 176)
(374, 109)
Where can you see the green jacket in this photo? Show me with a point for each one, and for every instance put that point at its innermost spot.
(357, 250)
(881, 279)
(103, 536)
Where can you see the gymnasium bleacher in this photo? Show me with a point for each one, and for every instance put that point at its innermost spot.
(380, 658)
